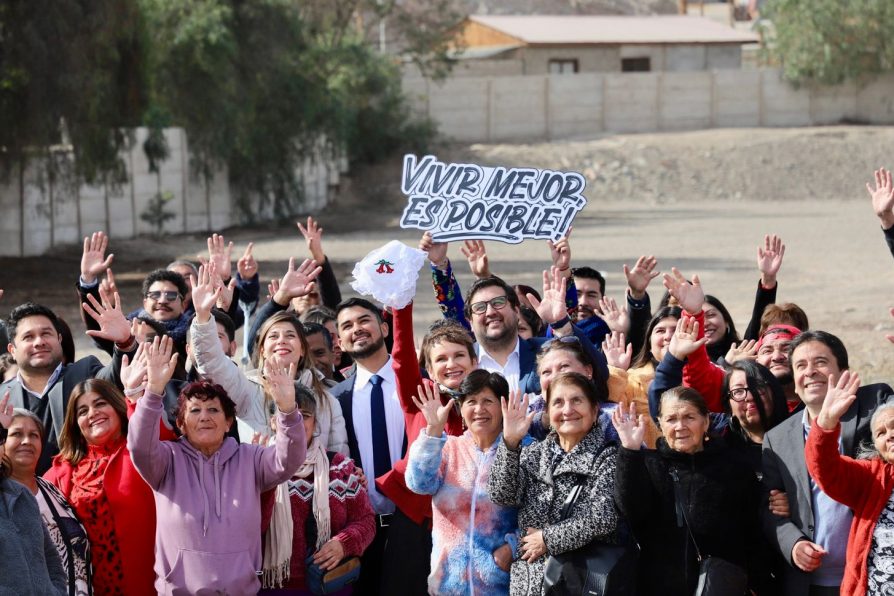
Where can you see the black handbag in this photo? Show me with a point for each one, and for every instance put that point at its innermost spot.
(716, 576)
(596, 568)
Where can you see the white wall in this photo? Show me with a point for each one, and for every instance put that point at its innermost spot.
(40, 212)
(543, 107)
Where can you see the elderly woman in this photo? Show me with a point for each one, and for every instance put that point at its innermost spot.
(281, 336)
(23, 445)
(865, 485)
(326, 493)
(95, 473)
(207, 486)
(716, 514)
(29, 563)
(538, 478)
(470, 552)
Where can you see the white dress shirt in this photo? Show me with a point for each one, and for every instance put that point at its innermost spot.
(511, 371)
(394, 418)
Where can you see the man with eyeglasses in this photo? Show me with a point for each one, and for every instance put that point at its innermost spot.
(492, 308)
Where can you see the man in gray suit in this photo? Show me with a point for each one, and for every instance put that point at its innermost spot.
(813, 537)
(44, 382)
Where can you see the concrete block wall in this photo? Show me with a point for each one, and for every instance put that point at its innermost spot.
(42, 211)
(538, 107)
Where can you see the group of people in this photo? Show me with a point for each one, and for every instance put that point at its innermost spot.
(528, 425)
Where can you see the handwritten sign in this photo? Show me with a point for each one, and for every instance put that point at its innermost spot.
(459, 201)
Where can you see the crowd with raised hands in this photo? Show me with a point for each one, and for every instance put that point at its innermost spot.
(537, 440)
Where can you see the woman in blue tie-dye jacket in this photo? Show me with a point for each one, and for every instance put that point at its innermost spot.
(473, 538)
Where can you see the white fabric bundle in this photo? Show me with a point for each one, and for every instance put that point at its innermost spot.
(389, 274)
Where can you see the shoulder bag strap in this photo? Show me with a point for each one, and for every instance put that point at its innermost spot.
(680, 507)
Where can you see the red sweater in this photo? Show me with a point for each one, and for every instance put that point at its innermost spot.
(133, 510)
(408, 377)
(703, 375)
(351, 518)
(863, 485)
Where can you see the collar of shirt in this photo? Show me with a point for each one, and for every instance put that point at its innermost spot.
(363, 375)
(483, 357)
(53, 378)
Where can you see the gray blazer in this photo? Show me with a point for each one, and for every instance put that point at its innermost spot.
(785, 469)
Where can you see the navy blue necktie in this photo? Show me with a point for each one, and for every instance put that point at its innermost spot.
(381, 452)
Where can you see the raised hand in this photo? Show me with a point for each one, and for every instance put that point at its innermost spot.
(841, 394)
(113, 325)
(618, 352)
(769, 259)
(685, 340)
(313, 235)
(689, 295)
(639, 277)
(133, 372)
(94, 261)
(247, 266)
(297, 282)
(883, 197)
(279, 383)
(429, 403)
(6, 410)
(552, 307)
(616, 318)
(108, 284)
(631, 428)
(476, 254)
(272, 288)
(744, 350)
(889, 337)
(516, 419)
(437, 251)
(226, 294)
(161, 360)
(206, 290)
(221, 254)
(560, 252)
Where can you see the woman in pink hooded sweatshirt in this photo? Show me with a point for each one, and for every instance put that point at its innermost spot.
(207, 486)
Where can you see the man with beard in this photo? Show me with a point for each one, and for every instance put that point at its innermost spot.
(376, 439)
(492, 307)
(773, 353)
(44, 383)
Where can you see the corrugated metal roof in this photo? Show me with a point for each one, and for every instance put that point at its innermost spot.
(585, 29)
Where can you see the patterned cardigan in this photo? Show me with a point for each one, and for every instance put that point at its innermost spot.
(467, 526)
(538, 479)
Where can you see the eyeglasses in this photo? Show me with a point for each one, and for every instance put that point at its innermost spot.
(565, 339)
(738, 394)
(497, 303)
(169, 295)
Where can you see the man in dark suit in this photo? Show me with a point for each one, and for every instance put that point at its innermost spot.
(375, 425)
(44, 383)
(813, 537)
(492, 308)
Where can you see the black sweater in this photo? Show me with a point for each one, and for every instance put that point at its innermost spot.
(723, 500)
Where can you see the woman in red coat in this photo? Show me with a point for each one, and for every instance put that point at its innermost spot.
(864, 485)
(94, 472)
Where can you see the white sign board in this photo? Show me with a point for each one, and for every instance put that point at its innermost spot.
(460, 201)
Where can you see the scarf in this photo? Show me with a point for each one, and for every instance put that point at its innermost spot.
(278, 540)
(318, 464)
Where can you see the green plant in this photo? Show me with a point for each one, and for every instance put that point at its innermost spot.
(155, 213)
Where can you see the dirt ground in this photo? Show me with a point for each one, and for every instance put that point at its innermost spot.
(700, 201)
